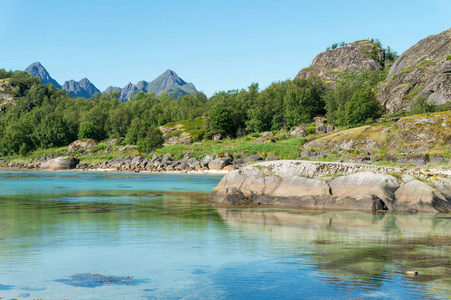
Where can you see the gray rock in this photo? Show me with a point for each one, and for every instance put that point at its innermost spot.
(365, 184)
(205, 161)
(82, 144)
(414, 196)
(421, 70)
(298, 132)
(60, 163)
(267, 134)
(353, 57)
(216, 164)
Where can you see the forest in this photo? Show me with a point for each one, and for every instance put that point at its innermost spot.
(43, 116)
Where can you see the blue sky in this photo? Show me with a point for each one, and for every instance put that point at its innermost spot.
(217, 45)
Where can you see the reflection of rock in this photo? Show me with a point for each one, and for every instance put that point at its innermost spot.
(356, 245)
(60, 163)
(300, 184)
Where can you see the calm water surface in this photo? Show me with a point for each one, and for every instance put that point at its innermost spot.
(74, 235)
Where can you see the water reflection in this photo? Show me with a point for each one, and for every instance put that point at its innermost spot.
(358, 249)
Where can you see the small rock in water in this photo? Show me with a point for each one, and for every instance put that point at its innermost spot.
(412, 273)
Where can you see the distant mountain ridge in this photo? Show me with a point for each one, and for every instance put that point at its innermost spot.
(83, 88)
(168, 82)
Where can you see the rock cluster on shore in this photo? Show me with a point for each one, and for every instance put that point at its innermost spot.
(138, 163)
(320, 185)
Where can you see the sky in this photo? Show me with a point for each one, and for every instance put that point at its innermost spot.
(216, 45)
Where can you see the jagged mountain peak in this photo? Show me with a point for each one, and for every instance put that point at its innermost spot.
(36, 69)
(83, 88)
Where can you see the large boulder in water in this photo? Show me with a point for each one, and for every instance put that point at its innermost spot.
(309, 185)
(81, 144)
(60, 163)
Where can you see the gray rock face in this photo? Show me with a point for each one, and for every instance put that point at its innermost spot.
(60, 163)
(38, 70)
(301, 184)
(425, 69)
(83, 88)
(353, 57)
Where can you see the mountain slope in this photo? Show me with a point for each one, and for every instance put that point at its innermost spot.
(83, 88)
(37, 70)
(423, 69)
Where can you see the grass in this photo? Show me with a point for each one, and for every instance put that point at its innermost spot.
(406, 70)
(424, 63)
(413, 92)
(448, 57)
(288, 149)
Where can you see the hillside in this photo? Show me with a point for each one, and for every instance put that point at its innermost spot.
(424, 69)
(355, 57)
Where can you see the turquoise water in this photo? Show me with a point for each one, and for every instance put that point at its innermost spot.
(81, 235)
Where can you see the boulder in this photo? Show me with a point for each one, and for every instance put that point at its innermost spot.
(415, 195)
(365, 184)
(298, 132)
(216, 164)
(81, 144)
(60, 163)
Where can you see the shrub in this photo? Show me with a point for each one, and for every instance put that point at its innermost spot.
(421, 105)
(362, 107)
(153, 140)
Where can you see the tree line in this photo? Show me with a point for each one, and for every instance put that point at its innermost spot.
(44, 117)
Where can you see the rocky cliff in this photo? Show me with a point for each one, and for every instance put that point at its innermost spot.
(83, 88)
(320, 185)
(38, 70)
(425, 68)
(355, 57)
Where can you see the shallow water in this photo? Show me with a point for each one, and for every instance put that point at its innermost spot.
(80, 235)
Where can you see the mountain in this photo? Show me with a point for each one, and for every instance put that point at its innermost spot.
(83, 88)
(423, 69)
(354, 56)
(111, 89)
(37, 70)
(168, 82)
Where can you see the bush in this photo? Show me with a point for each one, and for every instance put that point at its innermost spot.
(362, 107)
(153, 140)
(421, 105)
(86, 130)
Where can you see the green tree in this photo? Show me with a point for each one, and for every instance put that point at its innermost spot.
(362, 107)
(153, 140)
(86, 130)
